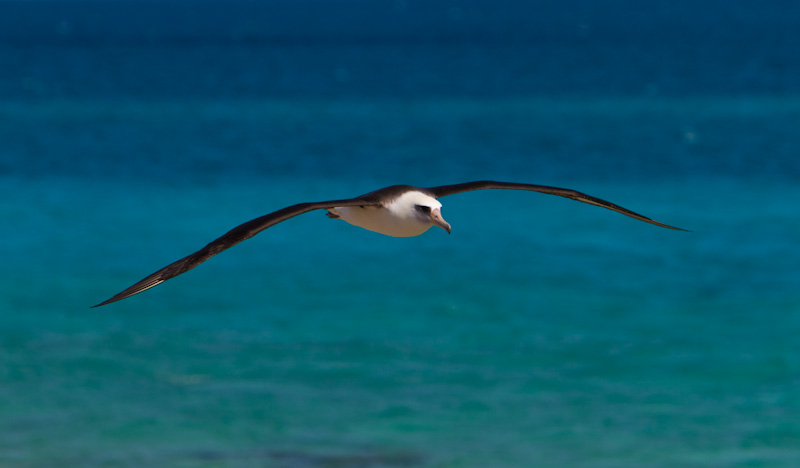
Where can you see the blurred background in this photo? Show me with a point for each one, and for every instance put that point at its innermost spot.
(542, 332)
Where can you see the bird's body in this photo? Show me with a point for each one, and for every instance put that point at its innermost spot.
(397, 210)
(399, 217)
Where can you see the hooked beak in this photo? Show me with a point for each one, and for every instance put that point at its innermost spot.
(436, 218)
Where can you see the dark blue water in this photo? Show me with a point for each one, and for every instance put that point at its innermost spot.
(541, 332)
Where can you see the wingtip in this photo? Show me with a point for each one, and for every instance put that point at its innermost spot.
(137, 288)
(674, 228)
(107, 301)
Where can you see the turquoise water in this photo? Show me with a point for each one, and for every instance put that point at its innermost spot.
(541, 332)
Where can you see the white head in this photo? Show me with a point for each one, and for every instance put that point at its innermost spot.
(417, 208)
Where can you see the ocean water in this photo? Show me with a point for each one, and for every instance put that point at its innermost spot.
(541, 333)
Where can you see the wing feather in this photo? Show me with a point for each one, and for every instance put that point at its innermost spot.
(445, 190)
(229, 239)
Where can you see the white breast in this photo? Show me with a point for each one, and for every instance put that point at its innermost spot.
(379, 219)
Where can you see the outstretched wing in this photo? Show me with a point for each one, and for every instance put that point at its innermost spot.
(445, 190)
(228, 240)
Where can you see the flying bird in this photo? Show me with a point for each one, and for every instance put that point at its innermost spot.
(397, 210)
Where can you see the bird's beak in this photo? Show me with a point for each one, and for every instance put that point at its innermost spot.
(436, 218)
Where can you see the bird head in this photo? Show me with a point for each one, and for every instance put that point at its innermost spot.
(423, 208)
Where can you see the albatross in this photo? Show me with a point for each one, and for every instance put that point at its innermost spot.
(397, 210)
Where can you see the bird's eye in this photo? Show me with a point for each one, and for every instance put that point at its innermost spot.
(423, 209)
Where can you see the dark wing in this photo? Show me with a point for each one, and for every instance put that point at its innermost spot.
(445, 190)
(228, 240)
